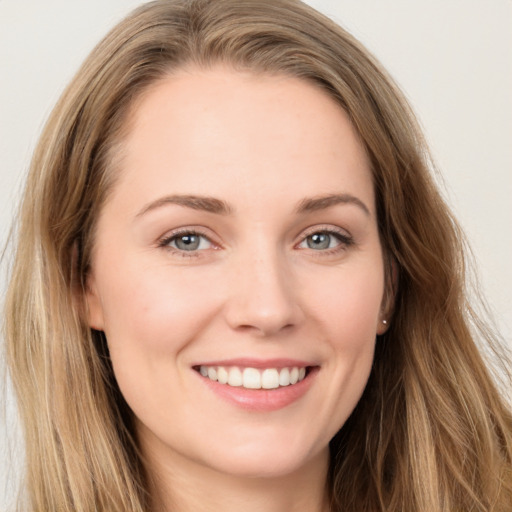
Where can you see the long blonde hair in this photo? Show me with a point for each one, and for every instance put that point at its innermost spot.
(431, 432)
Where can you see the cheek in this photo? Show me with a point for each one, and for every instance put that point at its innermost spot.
(155, 311)
(351, 322)
(348, 304)
(150, 320)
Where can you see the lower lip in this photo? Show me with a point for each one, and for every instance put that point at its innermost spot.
(262, 400)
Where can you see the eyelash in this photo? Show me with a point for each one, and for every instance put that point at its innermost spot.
(165, 242)
(345, 240)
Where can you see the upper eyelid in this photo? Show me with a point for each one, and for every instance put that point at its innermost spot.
(195, 230)
(344, 237)
(209, 235)
(325, 228)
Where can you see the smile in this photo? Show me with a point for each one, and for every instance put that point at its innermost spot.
(254, 378)
(257, 385)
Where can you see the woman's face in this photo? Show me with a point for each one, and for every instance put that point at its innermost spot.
(237, 272)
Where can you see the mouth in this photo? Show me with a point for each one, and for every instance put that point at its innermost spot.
(258, 385)
(248, 377)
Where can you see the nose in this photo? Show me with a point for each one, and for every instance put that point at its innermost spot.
(262, 296)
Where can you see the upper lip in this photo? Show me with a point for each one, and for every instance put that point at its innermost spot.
(248, 362)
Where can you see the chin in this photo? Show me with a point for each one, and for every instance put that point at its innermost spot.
(264, 463)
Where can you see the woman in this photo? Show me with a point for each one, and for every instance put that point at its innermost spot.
(236, 284)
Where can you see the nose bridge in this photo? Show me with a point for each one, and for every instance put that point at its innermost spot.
(262, 294)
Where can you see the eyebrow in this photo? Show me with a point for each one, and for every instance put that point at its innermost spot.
(204, 203)
(322, 202)
(219, 207)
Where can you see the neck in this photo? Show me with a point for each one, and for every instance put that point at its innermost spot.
(186, 486)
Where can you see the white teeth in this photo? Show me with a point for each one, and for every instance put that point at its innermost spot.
(270, 379)
(212, 373)
(235, 377)
(222, 375)
(284, 377)
(253, 378)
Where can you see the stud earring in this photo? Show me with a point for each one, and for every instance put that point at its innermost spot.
(385, 322)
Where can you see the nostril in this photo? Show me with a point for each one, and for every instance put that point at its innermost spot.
(263, 328)
(264, 303)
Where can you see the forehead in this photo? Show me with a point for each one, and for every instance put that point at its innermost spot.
(206, 131)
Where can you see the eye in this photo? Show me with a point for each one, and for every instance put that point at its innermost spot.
(187, 241)
(324, 240)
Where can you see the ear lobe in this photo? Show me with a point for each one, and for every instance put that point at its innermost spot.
(94, 308)
(388, 300)
(86, 295)
(382, 327)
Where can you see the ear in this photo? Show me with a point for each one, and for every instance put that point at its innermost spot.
(94, 308)
(388, 299)
(85, 295)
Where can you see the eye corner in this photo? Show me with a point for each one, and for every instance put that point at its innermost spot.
(325, 238)
(187, 241)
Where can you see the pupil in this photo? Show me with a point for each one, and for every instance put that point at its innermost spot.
(319, 241)
(187, 242)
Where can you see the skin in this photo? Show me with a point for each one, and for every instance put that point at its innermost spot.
(256, 286)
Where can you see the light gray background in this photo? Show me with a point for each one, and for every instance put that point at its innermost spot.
(453, 58)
